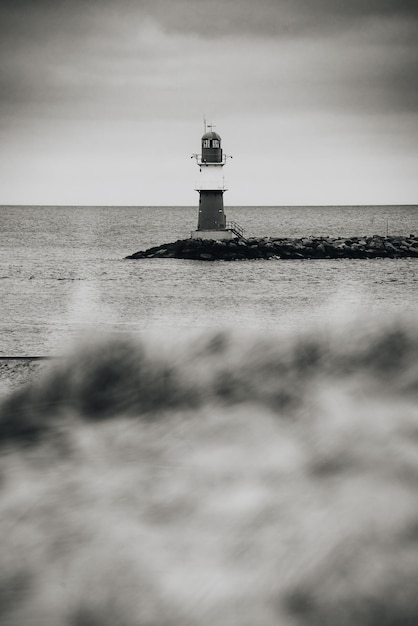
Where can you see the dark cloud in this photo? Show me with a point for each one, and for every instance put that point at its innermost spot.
(270, 17)
(25, 20)
(213, 19)
(219, 18)
(86, 57)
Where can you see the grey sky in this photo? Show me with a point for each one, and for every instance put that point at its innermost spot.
(102, 101)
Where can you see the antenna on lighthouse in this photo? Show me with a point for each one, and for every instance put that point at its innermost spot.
(204, 124)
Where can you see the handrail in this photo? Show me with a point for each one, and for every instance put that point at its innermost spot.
(236, 228)
(200, 161)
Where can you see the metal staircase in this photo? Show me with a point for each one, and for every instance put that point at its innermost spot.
(236, 229)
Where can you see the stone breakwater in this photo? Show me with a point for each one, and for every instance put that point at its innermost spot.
(285, 248)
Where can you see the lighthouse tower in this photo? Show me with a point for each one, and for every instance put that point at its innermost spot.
(211, 186)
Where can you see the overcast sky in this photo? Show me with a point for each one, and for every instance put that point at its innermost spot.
(102, 101)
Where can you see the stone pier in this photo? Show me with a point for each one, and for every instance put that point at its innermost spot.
(370, 247)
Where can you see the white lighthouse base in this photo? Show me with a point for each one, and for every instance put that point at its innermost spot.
(217, 235)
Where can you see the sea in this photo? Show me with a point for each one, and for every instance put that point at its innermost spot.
(63, 273)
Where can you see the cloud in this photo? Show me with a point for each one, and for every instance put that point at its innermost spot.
(136, 69)
(222, 18)
(71, 72)
(24, 20)
(104, 59)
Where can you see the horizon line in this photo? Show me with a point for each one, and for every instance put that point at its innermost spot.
(192, 206)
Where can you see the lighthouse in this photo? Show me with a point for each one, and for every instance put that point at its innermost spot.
(212, 222)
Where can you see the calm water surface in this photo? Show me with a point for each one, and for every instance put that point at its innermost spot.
(62, 270)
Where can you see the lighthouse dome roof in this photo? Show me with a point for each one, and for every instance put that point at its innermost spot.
(211, 135)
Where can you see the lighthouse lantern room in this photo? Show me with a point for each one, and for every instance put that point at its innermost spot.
(211, 187)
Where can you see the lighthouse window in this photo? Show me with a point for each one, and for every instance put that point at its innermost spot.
(215, 143)
(206, 143)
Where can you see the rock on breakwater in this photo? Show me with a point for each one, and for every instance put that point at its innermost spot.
(285, 248)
